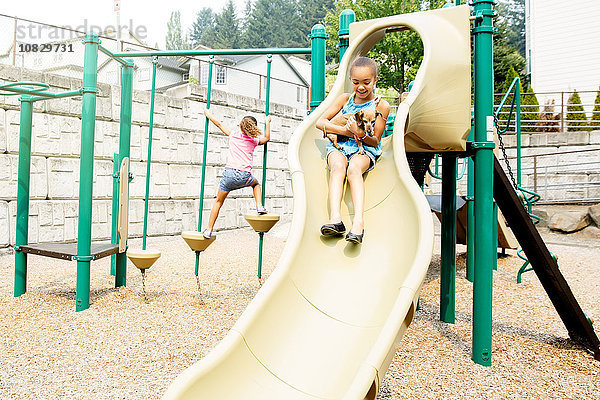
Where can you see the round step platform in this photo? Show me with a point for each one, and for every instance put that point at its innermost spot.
(196, 240)
(262, 223)
(143, 259)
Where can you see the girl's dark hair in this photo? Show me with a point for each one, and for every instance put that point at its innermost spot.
(249, 126)
(364, 62)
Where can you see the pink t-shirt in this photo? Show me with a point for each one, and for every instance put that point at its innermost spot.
(241, 150)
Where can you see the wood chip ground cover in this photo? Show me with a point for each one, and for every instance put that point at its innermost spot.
(125, 348)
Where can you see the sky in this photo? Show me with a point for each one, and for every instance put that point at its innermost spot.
(153, 15)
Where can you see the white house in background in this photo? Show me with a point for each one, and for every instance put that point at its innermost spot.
(563, 47)
(70, 62)
(246, 75)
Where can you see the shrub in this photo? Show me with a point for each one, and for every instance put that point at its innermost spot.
(576, 118)
(530, 109)
(596, 112)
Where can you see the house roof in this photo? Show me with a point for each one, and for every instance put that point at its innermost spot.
(241, 59)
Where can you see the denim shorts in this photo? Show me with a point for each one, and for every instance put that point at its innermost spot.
(350, 148)
(235, 179)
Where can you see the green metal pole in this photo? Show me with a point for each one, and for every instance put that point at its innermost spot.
(470, 212)
(261, 235)
(114, 237)
(267, 100)
(124, 147)
(346, 18)
(483, 146)
(448, 263)
(86, 171)
(317, 54)
(22, 223)
(518, 126)
(148, 160)
(211, 61)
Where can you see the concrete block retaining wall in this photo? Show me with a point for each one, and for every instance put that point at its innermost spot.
(178, 138)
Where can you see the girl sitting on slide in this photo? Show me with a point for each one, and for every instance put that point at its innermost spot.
(349, 163)
(242, 142)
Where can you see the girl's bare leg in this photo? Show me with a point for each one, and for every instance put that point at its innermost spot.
(337, 174)
(356, 168)
(214, 213)
(257, 193)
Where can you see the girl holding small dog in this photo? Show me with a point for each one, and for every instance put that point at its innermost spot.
(347, 161)
(242, 142)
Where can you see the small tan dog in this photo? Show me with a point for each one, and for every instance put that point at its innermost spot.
(365, 119)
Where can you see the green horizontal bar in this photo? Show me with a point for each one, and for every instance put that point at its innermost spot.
(113, 56)
(215, 52)
(50, 96)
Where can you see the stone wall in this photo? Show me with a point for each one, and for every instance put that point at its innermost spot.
(176, 160)
(565, 175)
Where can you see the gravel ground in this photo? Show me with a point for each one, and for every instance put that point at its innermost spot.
(126, 348)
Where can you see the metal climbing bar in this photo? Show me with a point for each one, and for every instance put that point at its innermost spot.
(516, 108)
(261, 235)
(150, 128)
(213, 52)
(204, 154)
(114, 57)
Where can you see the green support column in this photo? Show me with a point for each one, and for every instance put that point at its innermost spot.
(483, 146)
(346, 18)
(124, 146)
(211, 61)
(470, 209)
(86, 171)
(114, 236)
(261, 235)
(22, 224)
(448, 263)
(149, 158)
(317, 58)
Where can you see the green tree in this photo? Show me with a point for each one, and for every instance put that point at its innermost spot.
(273, 23)
(505, 58)
(203, 28)
(596, 112)
(399, 54)
(576, 118)
(227, 29)
(175, 39)
(511, 23)
(530, 111)
(312, 12)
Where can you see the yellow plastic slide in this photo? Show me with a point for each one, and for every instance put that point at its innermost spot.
(328, 321)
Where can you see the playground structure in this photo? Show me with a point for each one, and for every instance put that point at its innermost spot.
(85, 251)
(331, 291)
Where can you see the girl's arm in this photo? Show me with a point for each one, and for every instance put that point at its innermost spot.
(384, 109)
(326, 125)
(218, 123)
(264, 139)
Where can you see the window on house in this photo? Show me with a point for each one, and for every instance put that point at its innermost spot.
(300, 94)
(204, 74)
(221, 75)
(185, 77)
(144, 74)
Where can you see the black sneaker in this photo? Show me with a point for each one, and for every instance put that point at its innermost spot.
(333, 229)
(354, 238)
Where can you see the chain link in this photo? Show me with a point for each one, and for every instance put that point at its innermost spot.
(501, 142)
